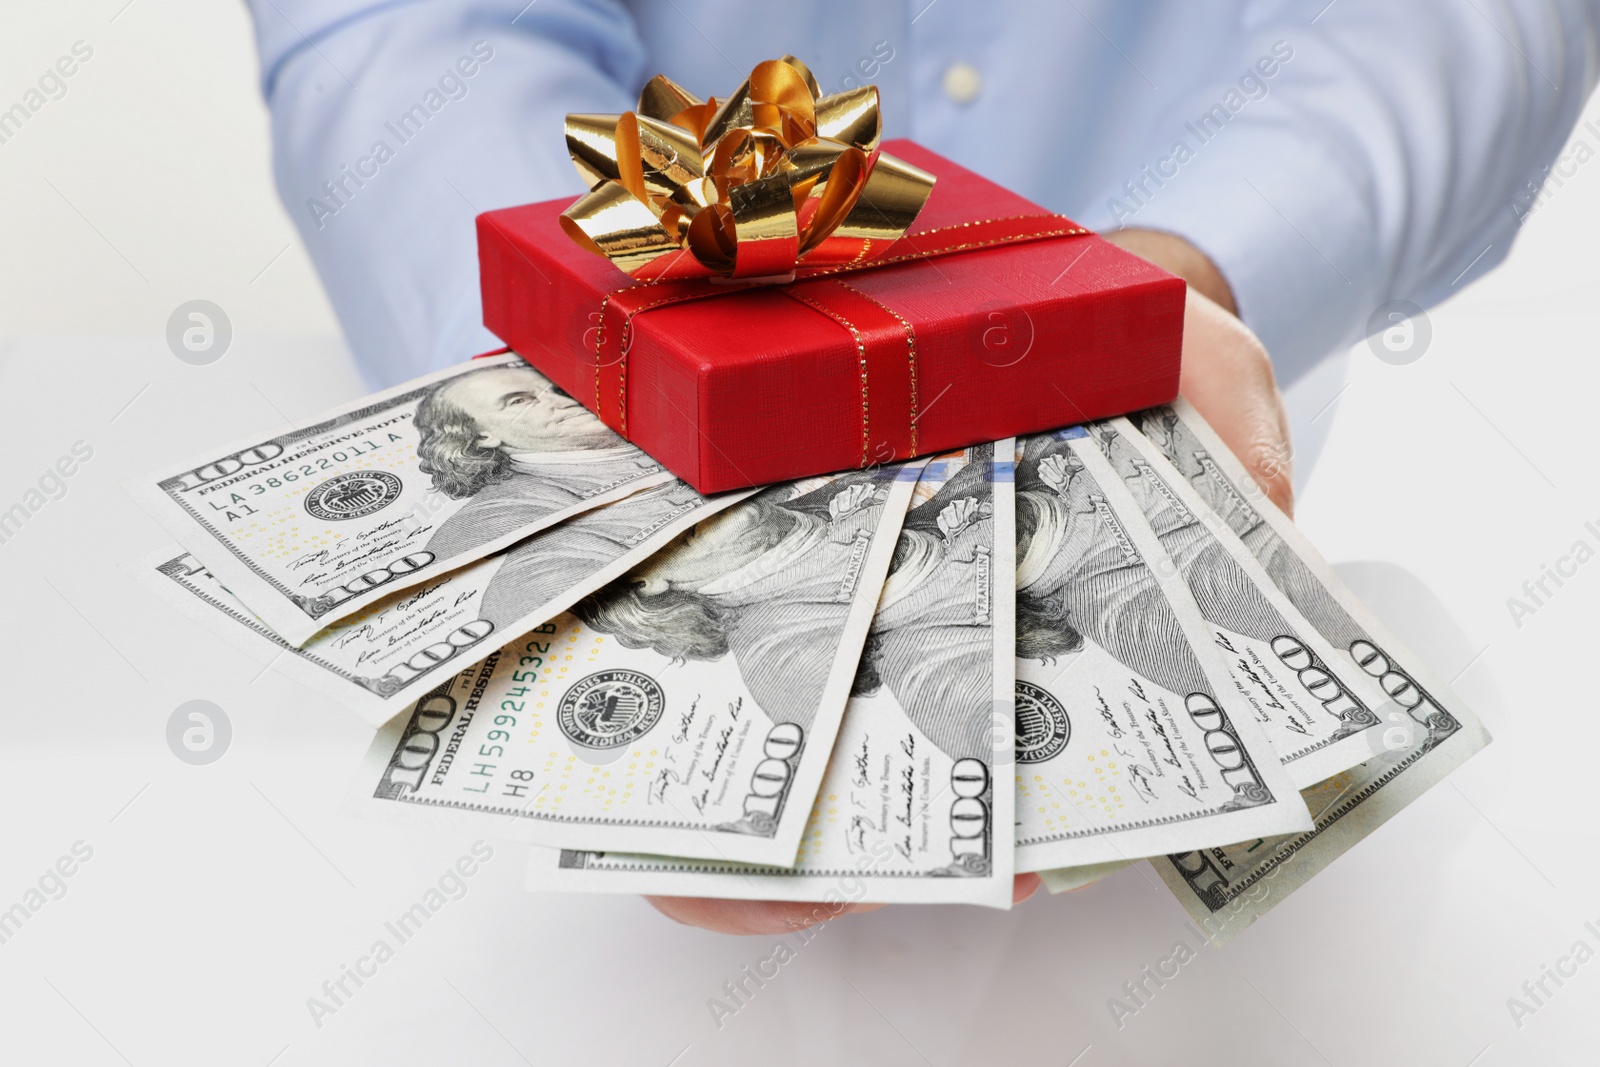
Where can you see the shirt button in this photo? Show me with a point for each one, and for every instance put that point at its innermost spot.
(962, 83)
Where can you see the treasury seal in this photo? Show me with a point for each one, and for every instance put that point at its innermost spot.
(352, 495)
(609, 709)
(1042, 725)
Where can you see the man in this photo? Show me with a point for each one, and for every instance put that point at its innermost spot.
(521, 449)
(1298, 163)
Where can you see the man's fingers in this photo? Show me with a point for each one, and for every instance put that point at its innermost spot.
(779, 916)
(751, 916)
(1228, 377)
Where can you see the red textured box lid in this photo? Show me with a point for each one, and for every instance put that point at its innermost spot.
(753, 387)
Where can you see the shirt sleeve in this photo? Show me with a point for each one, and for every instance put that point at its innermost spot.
(1376, 151)
(395, 123)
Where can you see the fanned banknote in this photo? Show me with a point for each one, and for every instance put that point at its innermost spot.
(686, 709)
(1066, 879)
(1314, 705)
(386, 656)
(1131, 740)
(314, 523)
(917, 801)
(1427, 730)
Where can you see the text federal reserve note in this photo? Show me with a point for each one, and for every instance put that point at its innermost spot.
(313, 524)
(385, 657)
(1426, 730)
(687, 709)
(917, 801)
(1131, 740)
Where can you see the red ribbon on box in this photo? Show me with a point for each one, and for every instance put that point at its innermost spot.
(885, 345)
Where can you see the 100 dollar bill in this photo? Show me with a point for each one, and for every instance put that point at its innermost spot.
(1426, 730)
(917, 802)
(1313, 704)
(1068, 879)
(312, 524)
(382, 659)
(686, 709)
(1130, 736)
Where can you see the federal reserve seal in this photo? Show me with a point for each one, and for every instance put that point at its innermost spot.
(1042, 724)
(352, 495)
(609, 709)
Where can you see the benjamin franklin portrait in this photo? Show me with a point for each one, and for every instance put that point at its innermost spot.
(764, 582)
(518, 449)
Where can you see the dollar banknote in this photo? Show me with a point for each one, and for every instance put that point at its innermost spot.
(385, 657)
(686, 709)
(314, 523)
(1426, 729)
(917, 801)
(1066, 879)
(1131, 740)
(1314, 705)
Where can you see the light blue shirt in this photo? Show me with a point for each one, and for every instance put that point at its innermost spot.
(1328, 156)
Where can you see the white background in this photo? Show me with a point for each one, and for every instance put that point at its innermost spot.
(219, 898)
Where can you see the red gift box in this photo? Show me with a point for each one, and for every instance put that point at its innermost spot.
(989, 318)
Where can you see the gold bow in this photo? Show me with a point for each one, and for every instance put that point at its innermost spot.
(771, 178)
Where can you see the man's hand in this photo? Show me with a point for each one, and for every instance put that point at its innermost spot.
(775, 916)
(1226, 373)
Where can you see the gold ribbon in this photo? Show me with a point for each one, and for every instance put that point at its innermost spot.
(774, 177)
